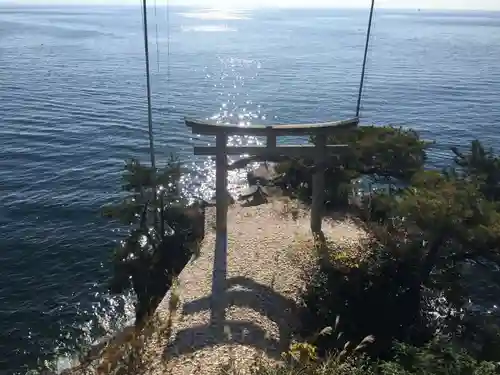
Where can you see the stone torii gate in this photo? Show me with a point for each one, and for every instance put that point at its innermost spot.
(319, 152)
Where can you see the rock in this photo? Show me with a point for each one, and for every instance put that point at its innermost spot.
(213, 202)
(264, 174)
(249, 192)
(242, 163)
(254, 192)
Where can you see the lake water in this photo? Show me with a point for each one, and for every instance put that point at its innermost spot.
(73, 107)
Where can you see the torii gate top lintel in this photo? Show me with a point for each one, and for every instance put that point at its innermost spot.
(207, 127)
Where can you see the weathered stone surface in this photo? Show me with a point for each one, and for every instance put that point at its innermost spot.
(255, 193)
(264, 174)
(249, 191)
(242, 163)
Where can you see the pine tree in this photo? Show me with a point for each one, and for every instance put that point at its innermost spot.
(164, 233)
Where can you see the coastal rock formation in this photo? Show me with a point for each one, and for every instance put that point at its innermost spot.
(265, 174)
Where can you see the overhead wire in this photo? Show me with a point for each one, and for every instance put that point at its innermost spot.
(167, 16)
(167, 58)
(148, 92)
(157, 43)
(363, 70)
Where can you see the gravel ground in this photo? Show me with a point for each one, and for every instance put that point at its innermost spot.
(268, 247)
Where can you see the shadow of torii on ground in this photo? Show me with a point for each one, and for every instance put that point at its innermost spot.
(240, 292)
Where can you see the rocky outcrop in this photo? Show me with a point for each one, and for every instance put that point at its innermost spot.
(265, 174)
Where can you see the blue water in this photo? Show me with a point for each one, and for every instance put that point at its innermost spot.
(72, 108)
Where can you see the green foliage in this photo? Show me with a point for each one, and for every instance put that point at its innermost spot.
(452, 213)
(164, 233)
(137, 183)
(380, 207)
(450, 219)
(380, 297)
(382, 151)
(374, 151)
(330, 366)
(302, 358)
(437, 358)
(436, 202)
(424, 237)
(480, 166)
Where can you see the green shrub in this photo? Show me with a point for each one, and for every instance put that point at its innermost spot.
(380, 297)
(373, 151)
(437, 358)
(164, 233)
(330, 366)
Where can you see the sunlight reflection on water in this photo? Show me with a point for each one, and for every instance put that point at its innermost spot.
(236, 107)
(217, 14)
(115, 312)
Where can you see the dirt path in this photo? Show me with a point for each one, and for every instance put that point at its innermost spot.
(266, 249)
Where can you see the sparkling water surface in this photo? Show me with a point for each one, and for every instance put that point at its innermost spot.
(73, 108)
